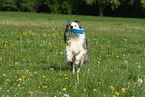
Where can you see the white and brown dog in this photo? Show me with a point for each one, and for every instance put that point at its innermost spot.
(77, 46)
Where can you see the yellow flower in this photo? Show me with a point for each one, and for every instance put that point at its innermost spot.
(39, 86)
(94, 90)
(123, 90)
(117, 93)
(20, 79)
(18, 85)
(5, 45)
(114, 96)
(64, 89)
(30, 92)
(43, 76)
(94, 39)
(111, 87)
(117, 56)
(64, 74)
(6, 41)
(135, 83)
(66, 78)
(4, 74)
(60, 74)
(23, 76)
(45, 86)
(31, 74)
(111, 70)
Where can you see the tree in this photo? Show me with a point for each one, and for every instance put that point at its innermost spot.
(9, 5)
(28, 5)
(59, 6)
(103, 3)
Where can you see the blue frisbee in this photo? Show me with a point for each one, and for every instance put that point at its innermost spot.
(77, 31)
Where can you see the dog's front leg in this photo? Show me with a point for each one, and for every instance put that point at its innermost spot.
(80, 56)
(69, 54)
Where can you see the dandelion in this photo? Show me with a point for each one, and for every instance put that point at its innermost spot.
(94, 90)
(18, 85)
(4, 74)
(20, 79)
(135, 83)
(117, 93)
(23, 76)
(123, 90)
(94, 39)
(43, 76)
(5, 45)
(66, 78)
(117, 56)
(39, 86)
(111, 87)
(114, 96)
(111, 70)
(64, 74)
(64, 89)
(60, 74)
(30, 92)
(45, 86)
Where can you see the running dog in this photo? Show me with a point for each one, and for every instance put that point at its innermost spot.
(76, 45)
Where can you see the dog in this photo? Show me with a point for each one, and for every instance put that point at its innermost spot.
(76, 45)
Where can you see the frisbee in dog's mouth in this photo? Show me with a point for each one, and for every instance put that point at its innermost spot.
(77, 31)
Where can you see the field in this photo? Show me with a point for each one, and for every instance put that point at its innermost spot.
(32, 52)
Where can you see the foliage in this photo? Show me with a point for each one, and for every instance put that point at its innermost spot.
(59, 6)
(9, 5)
(28, 5)
(143, 3)
(133, 8)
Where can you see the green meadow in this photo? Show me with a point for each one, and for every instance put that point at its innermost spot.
(32, 54)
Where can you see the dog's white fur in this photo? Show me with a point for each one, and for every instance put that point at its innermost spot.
(76, 53)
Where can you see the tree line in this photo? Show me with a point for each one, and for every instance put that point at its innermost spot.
(124, 8)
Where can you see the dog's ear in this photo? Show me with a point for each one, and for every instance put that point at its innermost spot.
(67, 24)
(78, 23)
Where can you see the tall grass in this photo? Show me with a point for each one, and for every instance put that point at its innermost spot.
(32, 53)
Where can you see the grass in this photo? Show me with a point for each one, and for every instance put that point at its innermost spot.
(32, 53)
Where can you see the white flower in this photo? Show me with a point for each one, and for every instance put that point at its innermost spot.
(98, 62)
(51, 69)
(35, 72)
(123, 55)
(16, 63)
(140, 81)
(66, 95)
(27, 71)
(61, 52)
(139, 66)
(0, 58)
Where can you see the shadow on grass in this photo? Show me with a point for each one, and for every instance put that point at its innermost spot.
(55, 67)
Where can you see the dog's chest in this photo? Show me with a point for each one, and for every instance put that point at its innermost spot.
(76, 45)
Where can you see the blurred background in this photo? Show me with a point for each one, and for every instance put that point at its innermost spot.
(114, 8)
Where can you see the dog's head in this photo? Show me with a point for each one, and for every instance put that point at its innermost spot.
(73, 25)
